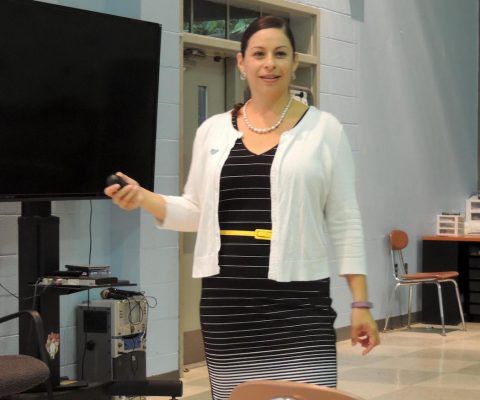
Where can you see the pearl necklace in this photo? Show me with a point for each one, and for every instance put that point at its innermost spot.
(274, 126)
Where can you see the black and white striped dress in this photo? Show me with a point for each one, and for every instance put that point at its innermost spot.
(253, 327)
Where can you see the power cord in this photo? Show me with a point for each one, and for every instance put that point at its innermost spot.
(132, 306)
(133, 365)
(9, 292)
(90, 231)
(85, 333)
(148, 307)
(35, 288)
(35, 295)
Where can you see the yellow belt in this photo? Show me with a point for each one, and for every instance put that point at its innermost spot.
(260, 234)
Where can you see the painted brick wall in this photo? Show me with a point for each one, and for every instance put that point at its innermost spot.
(339, 94)
(128, 242)
(402, 78)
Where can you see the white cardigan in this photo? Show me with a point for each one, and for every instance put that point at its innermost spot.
(312, 191)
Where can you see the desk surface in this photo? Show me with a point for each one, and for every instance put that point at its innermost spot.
(463, 238)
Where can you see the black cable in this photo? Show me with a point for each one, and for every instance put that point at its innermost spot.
(146, 314)
(148, 304)
(133, 365)
(44, 288)
(138, 303)
(90, 232)
(34, 301)
(144, 337)
(9, 292)
(85, 334)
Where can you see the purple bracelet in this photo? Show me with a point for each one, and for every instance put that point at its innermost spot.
(362, 304)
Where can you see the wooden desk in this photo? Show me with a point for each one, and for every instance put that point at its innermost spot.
(452, 253)
(469, 238)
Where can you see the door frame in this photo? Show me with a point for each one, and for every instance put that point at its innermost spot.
(308, 73)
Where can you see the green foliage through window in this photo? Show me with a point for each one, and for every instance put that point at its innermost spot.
(209, 28)
(210, 19)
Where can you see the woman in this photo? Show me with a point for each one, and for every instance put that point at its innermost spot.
(268, 183)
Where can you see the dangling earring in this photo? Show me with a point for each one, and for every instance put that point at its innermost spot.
(294, 76)
(243, 76)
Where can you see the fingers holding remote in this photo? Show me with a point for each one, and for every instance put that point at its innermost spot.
(124, 191)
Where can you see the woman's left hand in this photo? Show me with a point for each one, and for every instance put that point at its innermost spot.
(364, 329)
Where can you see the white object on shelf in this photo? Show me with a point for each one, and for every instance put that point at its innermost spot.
(473, 209)
(450, 225)
(472, 228)
(472, 216)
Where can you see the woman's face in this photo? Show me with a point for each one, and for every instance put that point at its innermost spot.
(268, 62)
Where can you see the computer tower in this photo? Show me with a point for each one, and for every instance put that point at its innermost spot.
(111, 339)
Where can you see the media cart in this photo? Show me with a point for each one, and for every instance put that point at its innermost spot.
(38, 256)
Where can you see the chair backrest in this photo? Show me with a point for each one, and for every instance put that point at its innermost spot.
(25, 372)
(398, 242)
(398, 239)
(287, 390)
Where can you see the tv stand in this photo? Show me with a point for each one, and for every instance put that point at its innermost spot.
(38, 256)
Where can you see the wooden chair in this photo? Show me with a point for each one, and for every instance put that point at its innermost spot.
(287, 390)
(398, 242)
(19, 373)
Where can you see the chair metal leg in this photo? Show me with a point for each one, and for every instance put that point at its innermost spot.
(390, 306)
(460, 309)
(440, 306)
(410, 297)
(48, 387)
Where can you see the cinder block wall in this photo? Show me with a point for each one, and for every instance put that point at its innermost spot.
(126, 241)
(402, 77)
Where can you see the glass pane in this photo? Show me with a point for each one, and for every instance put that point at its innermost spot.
(187, 10)
(209, 18)
(240, 18)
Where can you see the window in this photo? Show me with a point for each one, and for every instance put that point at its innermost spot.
(209, 18)
(217, 26)
(216, 19)
(239, 20)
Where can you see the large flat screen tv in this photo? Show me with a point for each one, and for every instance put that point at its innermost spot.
(78, 100)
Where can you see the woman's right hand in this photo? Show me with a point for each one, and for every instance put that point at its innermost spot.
(129, 197)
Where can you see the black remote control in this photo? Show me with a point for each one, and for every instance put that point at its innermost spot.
(115, 179)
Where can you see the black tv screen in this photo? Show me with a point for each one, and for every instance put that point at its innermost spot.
(78, 100)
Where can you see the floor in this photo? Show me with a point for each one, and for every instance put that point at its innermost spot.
(409, 364)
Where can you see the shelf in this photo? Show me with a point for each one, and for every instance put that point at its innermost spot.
(68, 289)
(229, 48)
(462, 238)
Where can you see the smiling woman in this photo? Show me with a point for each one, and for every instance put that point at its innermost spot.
(283, 325)
(267, 61)
(268, 187)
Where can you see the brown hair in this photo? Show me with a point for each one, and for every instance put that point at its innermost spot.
(266, 22)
